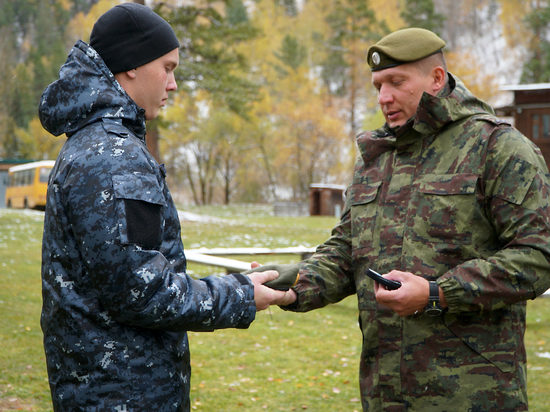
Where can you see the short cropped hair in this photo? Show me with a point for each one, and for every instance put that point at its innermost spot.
(426, 64)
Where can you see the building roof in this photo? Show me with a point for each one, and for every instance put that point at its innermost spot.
(327, 186)
(25, 166)
(5, 164)
(525, 87)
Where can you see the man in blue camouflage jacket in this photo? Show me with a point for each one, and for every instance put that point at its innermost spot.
(116, 299)
(453, 203)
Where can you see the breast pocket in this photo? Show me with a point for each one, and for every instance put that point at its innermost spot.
(446, 207)
(364, 212)
(140, 201)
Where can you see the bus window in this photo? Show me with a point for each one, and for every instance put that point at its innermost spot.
(29, 174)
(28, 184)
(44, 174)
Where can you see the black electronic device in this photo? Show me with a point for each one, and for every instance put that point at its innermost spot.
(377, 277)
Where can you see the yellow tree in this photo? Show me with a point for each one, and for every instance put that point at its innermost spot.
(512, 18)
(387, 11)
(313, 145)
(81, 24)
(7, 123)
(230, 135)
(295, 123)
(190, 155)
(37, 143)
(353, 28)
(470, 71)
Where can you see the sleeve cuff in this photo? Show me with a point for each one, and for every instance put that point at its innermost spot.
(249, 313)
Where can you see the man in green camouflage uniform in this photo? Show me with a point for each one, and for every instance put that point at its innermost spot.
(446, 197)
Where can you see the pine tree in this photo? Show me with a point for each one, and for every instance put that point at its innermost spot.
(290, 7)
(33, 45)
(291, 53)
(421, 13)
(212, 74)
(354, 27)
(209, 56)
(235, 12)
(537, 67)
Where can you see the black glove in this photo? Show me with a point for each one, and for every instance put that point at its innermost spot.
(288, 275)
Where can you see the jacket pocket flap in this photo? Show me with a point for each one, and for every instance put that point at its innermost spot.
(455, 184)
(138, 187)
(491, 336)
(361, 194)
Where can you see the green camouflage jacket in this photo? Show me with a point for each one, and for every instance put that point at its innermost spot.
(462, 198)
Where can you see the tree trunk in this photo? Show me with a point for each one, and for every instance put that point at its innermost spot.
(152, 140)
(267, 167)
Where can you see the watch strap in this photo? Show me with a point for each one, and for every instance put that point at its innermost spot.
(434, 294)
(433, 308)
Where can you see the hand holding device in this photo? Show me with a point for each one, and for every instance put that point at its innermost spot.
(377, 277)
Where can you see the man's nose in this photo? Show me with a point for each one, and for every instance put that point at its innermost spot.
(172, 85)
(384, 95)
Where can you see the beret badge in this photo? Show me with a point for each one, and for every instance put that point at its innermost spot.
(376, 58)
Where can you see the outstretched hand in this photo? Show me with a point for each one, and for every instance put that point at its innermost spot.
(264, 296)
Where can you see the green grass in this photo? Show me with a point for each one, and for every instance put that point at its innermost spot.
(23, 380)
(283, 362)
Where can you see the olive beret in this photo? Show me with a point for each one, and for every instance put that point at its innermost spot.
(403, 46)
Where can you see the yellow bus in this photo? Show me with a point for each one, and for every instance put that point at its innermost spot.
(28, 184)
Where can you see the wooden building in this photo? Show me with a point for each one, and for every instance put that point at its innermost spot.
(530, 110)
(326, 199)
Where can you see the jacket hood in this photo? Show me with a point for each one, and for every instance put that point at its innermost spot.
(86, 92)
(433, 113)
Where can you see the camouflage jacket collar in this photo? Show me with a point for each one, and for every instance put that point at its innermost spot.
(86, 92)
(433, 114)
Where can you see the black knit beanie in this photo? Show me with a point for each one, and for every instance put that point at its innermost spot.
(130, 35)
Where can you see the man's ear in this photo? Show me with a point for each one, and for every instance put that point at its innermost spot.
(124, 77)
(131, 73)
(438, 79)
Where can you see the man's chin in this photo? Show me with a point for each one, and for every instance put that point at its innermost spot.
(394, 121)
(394, 124)
(151, 116)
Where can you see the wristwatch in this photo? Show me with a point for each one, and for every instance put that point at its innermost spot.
(433, 308)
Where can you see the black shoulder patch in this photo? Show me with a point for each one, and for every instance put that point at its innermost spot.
(144, 223)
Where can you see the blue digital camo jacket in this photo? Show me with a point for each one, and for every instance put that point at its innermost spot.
(116, 298)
